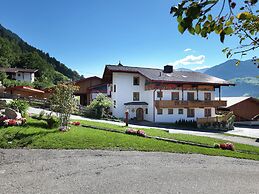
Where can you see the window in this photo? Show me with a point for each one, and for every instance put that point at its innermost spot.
(114, 104)
(146, 110)
(135, 81)
(19, 74)
(170, 111)
(190, 95)
(180, 111)
(207, 96)
(190, 112)
(159, 94)
(207, 112)
(159, 111)
(175, 96)
(114, 88)
(135, 96)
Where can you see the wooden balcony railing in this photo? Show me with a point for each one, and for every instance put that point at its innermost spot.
(188, 104)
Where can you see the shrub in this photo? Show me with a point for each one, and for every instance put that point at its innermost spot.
(186, 123)
(99, 107)
(42, 114)
(20, 106)
(52, 121)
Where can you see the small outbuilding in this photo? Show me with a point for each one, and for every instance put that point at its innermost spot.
(244, 108)
(24, 91)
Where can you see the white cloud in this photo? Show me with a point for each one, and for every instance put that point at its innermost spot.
(188, 49)
(190, 59)
(200, 67)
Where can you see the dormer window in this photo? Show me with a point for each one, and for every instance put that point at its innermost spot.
(135, 81)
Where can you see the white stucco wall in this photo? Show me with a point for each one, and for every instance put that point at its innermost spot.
(170, 118)
(124, 94)
(22, 76)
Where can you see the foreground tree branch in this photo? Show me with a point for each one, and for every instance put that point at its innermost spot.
(238, 18)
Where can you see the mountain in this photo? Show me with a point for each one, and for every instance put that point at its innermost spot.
(183, 69)
(202, 70)
(229, 69)
(15, 52)
(244, 76)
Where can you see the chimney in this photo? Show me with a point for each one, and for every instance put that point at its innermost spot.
(168, 69)
(120, 64)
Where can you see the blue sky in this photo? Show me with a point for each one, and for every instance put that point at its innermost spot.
(88, 34)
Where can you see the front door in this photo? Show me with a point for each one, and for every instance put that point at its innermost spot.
(140, 114)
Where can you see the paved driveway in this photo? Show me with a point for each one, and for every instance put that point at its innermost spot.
(86, 171)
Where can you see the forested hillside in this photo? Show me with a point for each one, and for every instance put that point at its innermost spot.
(14, 52)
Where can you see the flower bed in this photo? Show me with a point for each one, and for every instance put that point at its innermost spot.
(225, 146)
(14, 122)
(5, 121)
(76, 123)
(136, 132)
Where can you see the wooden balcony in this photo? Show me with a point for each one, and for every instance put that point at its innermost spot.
(189, 104)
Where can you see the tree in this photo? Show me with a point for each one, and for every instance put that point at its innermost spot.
(63, 102)
(99, 106)
(3, 76)
(232, 18)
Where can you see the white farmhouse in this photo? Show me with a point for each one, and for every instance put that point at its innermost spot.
(20, 74)
(158, 95)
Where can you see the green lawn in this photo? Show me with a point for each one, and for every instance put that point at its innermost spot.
(34, 135)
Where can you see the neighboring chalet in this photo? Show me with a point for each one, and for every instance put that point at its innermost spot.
(85, 86)
(24, 92)
(244, 108)
(158, 95)
(20, 74)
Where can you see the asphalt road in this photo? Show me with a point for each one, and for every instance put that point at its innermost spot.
(87, 171)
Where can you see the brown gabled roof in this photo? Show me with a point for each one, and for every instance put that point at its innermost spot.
(16, 70)
(157, 75)
(25, 88)
(88, 78)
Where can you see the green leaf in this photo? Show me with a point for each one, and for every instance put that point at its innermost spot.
(225, 49)
(181, 29)
(228, 30)
(206, 24)
(191, 30)
(197, 28)
(210, 17)
(244, 15)
(179, 18)
(228, 23)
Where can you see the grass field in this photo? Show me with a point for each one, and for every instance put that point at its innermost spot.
(35, 135)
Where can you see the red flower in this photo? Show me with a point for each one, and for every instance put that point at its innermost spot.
(12, 122)
(76, 123)
(141, 133)
(227, 146)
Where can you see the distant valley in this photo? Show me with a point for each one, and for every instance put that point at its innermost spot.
(245, 76)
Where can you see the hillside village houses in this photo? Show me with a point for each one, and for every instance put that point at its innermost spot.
(20, 74)
(160, 95)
